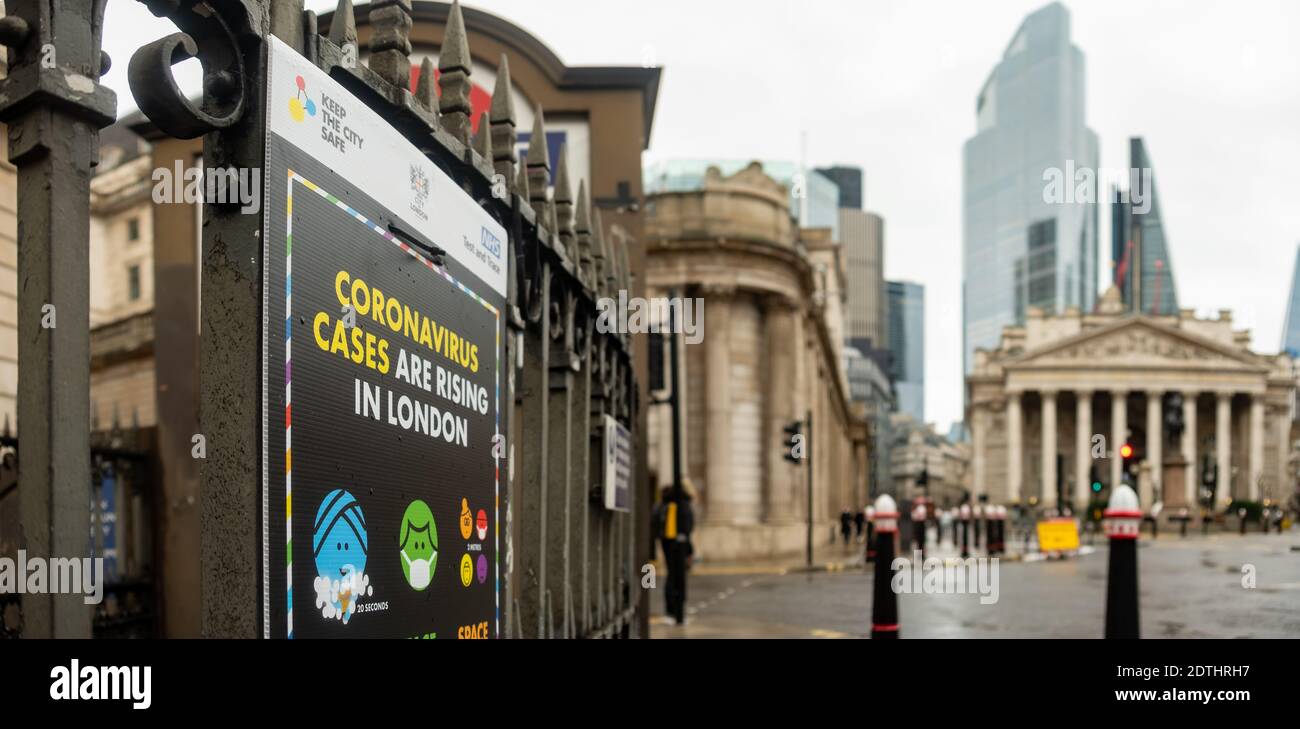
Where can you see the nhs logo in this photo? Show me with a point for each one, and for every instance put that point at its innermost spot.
(490, 242)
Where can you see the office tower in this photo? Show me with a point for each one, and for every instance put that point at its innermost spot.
(907, 346)
(1291, 327)
(862, 235)
(1030, 209)
(849, 180)
(1144, 271)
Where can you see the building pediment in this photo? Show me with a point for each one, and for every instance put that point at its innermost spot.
(1136, 342)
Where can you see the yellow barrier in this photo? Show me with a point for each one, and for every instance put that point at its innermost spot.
(1058, 535)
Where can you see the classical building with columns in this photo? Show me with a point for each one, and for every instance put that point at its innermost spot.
(1062, 390)
(771, 353)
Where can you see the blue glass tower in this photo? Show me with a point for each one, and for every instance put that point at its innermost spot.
(1024, 247)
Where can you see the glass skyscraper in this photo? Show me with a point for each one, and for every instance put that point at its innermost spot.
(1139, 250)
(1025, 243)
(1291, 328)
(907, 345)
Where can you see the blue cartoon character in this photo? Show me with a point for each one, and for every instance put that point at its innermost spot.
(339, 545)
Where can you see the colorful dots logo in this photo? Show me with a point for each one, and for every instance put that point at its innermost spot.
(466, 570)
(301, 106)
(419, 545)
(466, 519)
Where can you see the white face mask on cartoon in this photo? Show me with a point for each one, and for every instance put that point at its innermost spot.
(420, 576)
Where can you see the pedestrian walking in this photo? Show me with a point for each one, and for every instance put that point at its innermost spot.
(846, 525)
(859, 519)
(870, 513)
(675, 519)
(965, 531)
(918, 528)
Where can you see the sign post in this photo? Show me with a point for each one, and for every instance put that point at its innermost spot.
(385, 290)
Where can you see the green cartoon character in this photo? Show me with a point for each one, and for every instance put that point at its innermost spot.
(419, 544)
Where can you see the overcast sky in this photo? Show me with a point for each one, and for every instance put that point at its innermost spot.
(1214, 87)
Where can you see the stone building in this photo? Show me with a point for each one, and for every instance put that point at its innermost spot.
(770, 354)
(1077, 383)
(917, 449)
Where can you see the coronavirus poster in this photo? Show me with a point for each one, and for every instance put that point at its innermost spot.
(382, 390)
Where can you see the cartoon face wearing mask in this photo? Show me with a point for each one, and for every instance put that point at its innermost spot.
(419, 545)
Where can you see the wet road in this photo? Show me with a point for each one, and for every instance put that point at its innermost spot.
(1190, 588)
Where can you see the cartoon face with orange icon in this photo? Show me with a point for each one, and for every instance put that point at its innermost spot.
(466, 519)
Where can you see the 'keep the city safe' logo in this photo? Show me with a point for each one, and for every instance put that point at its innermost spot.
(301, 106)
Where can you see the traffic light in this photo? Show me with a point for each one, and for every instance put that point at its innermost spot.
(1095, 479)
(655, 351)
(1128, 458)
(794, 445)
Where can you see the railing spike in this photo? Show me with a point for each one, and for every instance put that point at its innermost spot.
(455, 67)
(503, 103)
(539, 167)
(426, 92)
(582, 231)
(521, 183)
(503, 119)
(604, 264)
(563, 200)
(390, 41)
(483, 140)
(343, 26)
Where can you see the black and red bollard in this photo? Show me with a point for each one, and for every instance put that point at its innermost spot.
(871, 532)
(918, 527)
(884, 605)
(990, 516)
(1123, 523)
(965, 530)
(993, 539)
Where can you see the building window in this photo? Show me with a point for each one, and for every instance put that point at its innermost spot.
(133, 229)
(133, 283)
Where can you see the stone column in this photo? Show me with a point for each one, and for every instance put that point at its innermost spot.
(1015, 452)
(1155, 450)
(1189, 446)
(1048, 496)
(979, 441)
(778, 322)
(1256, 446)
(1223, 442)
(717, 408)
(1283, 425)
(1082, 447)
(1118, 434)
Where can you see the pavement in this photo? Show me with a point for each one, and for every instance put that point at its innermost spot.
(1193, 587)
